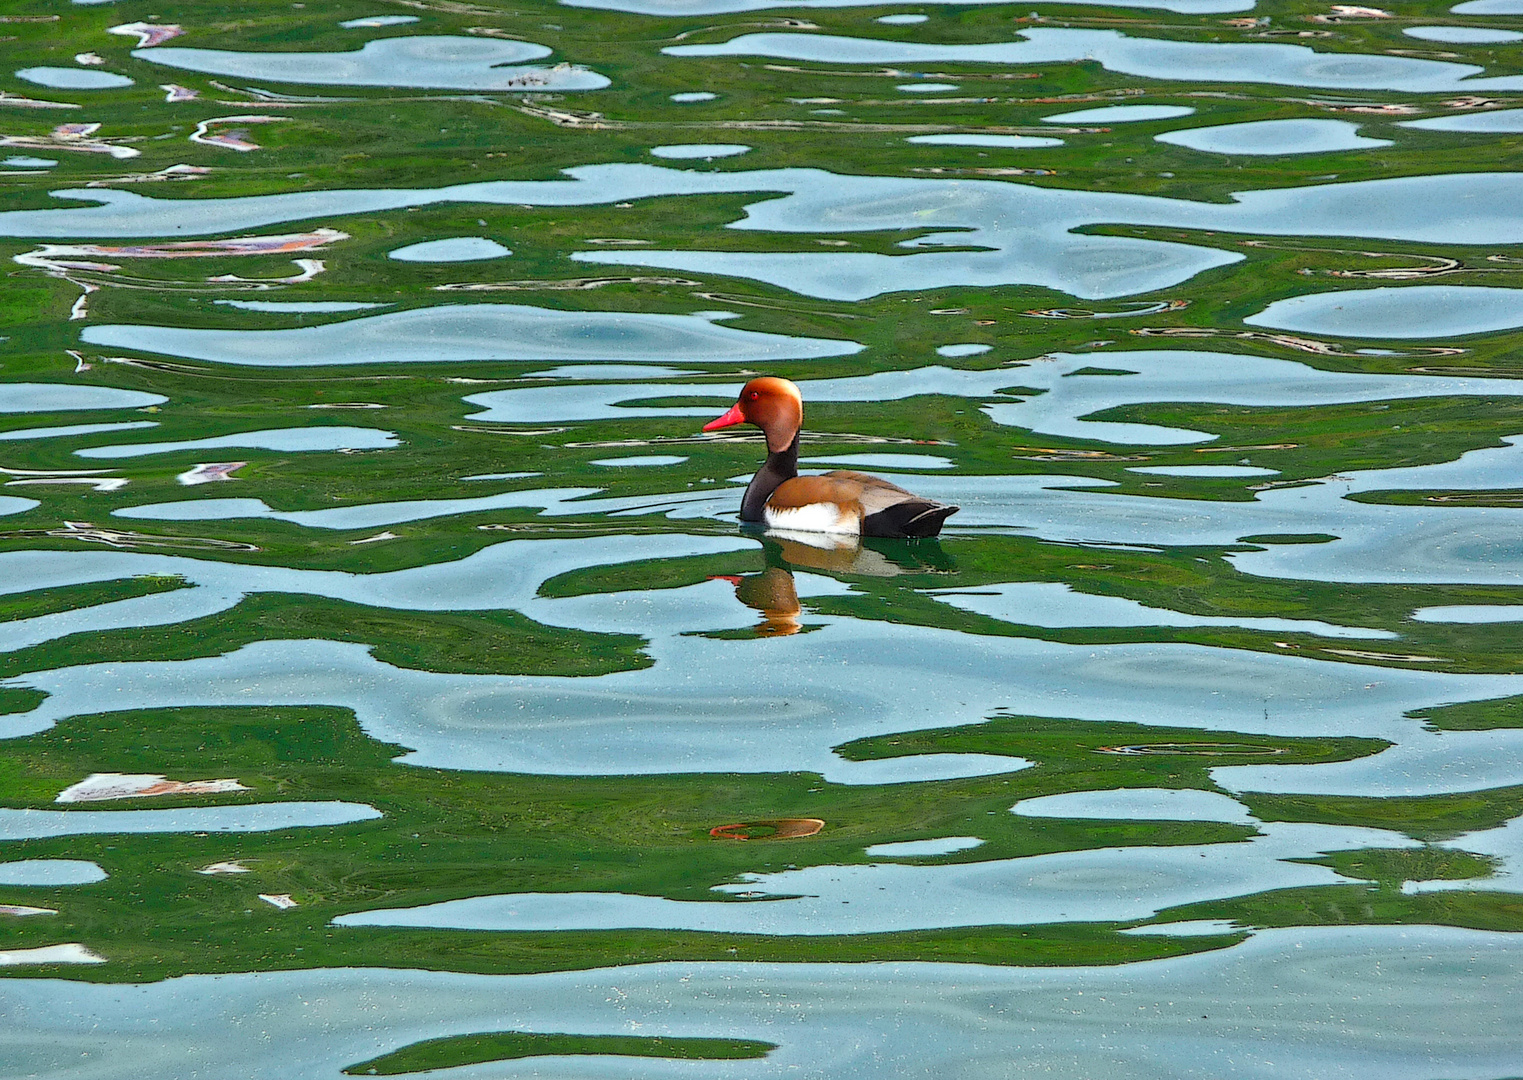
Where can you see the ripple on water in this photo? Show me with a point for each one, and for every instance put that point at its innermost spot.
(65, 430)
(883, 461)
(454, 249)
(21, 397)
(1156, 58)
(465, 332)
(1272, 137)
(1138, 804)
(1470, 613)
(1026, 233)
(651, 720)
(1202, 471)
(1491, 122)
(299, 306)
(438, 63)
(373, 21)
(639, 461)
(699, 150)
(1463, 35)
(50, 872)
(1310, 999)
(1000, 142)
(681, 8)
(1056, 605)
(1061, 406)
(1106, 884)
(1121, 114)
(255, 817)
(911, 849)
(289, 440)
(967, 349)
(1408, 311)
(59, 78)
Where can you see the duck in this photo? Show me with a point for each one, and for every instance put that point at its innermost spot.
(841, 502)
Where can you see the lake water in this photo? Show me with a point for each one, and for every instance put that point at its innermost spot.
(1193, 747)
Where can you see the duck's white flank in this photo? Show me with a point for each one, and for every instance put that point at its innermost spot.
(821, 517)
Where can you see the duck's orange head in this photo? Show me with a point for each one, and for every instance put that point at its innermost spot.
(772, 404)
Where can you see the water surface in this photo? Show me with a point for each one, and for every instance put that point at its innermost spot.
(1155, 58)
(1413, 311)
(1270, 137)
(1201, 322)
(440, 63)
(453, 249)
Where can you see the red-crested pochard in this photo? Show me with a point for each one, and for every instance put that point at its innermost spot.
(837, 502)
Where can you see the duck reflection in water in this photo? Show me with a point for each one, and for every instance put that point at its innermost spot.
(774, 593)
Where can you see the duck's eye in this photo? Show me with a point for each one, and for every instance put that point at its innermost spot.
(754, 395)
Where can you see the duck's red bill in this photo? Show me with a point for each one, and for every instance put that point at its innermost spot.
(729, 419)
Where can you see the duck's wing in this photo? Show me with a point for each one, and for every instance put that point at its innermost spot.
(852, 502)
(890, 511)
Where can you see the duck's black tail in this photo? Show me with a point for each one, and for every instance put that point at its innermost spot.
(913, 519)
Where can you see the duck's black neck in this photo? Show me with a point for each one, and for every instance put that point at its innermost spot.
(780, 465)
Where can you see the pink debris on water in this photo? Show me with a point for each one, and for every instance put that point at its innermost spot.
(210, 472)
(282, 244)
(148, 34)
(231, 138)
(99, 787)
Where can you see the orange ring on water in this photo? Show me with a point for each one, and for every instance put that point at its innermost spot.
(789, 828)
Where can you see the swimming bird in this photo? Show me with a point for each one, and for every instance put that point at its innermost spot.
(836, 502)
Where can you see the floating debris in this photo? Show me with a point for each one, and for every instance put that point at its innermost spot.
(1394, 658)
(561, 284)
(103, 787)
(232, 138)
(1039, 453)
(210, 472)
(1127, 312)
(172, 172)
(938, 171)
(75, 137)
(65, 261)
(148, 34)
(72, 953)
(1288, 341)
(18, 100)
(125, 538)
(791, 828)
(1174, 749)
(101, 483)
